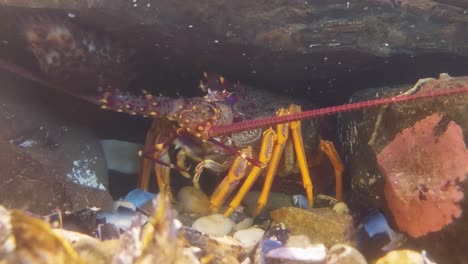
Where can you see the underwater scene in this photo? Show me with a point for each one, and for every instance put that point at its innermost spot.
(166, 131)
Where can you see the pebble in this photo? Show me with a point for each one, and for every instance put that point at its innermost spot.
(403, 257)
(320, 225)
(215, 224)
(244, 224)
(344, 254)
(193, 200)
(341, 208)
(249, 237)
(311, 254)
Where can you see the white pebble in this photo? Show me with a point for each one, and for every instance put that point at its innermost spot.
(249, 237)
(314, 253)
(215, 224)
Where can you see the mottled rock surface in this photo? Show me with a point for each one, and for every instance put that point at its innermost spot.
(373, 26)
(321, 225)
(44, 158)
(275, 43)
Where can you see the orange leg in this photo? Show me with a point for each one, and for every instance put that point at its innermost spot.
(162, 174)
(329, 149)
(229, 183)
(282, 133)
(266, 150)
(158, 160)
(296, 134)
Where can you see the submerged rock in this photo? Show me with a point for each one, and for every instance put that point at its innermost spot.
(423, 183)
(320, 225)
(47, 161)
(29, 184)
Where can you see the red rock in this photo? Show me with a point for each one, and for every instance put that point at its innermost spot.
(422, 167)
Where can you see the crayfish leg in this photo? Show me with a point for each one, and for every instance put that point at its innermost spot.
(328, 148)
(232, 179)
(147, 164)
(296, 134)
(282, 134)
(158, 160)
(266, 150)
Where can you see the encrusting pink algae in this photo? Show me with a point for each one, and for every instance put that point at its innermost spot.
(422, 170)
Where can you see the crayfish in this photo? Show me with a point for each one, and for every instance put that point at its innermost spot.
(195, 118)
(216, 122)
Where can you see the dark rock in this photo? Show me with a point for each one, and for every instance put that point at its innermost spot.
(364, 137)
(281, 45)
(44, 157)
(375, 27)
(28, 184)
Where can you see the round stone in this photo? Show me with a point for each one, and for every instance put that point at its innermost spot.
(215, 224)
(244, 224)
(193, 200)
(344, 254)
(249, 237)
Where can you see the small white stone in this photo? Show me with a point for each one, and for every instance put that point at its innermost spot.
(244, 224)
(249, 237)
(215, 224)
(314, 253)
